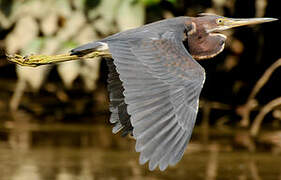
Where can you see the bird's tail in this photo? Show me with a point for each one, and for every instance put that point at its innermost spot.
(100, 48)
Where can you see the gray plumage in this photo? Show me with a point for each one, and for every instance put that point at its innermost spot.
(154, 86)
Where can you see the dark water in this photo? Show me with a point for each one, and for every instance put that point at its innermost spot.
(97, 155)
(42, 149)
(76, 164)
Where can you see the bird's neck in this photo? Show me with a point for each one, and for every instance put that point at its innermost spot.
(203, 45)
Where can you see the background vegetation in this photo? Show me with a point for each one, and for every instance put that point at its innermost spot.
(67, 104)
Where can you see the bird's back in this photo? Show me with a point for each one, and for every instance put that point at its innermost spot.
(151, 30)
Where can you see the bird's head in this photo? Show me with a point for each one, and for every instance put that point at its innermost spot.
(205, 40)
(216, 23)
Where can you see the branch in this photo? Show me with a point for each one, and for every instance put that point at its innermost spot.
(251, 103)
(265, 77)
(266, 109)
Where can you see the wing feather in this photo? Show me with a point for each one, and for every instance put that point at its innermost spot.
(119, 116)
(162, 84)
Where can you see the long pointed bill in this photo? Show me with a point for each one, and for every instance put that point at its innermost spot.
(230, 23)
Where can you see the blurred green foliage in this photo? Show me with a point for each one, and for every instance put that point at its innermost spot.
(155, 2)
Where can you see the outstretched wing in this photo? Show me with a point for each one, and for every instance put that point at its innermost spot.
(118, 108)
(162, 84)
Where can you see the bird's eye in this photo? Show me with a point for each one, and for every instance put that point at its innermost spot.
(219, 21)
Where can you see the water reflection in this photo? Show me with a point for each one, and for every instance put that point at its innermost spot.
(33, 151)
(20, 133)
(26, 170)
(89, 164)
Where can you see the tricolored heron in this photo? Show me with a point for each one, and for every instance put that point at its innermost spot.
(155, 81)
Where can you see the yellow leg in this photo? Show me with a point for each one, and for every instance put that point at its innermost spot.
(37, 60)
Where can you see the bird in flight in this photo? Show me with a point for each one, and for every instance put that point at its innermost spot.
(155, 81)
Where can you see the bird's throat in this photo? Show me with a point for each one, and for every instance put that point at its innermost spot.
(205, 46)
